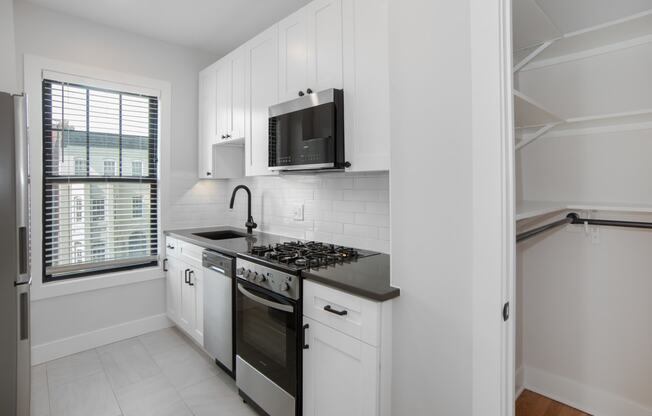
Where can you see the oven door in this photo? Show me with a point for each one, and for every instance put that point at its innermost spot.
(266, 334)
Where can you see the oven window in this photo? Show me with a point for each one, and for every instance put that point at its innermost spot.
(266, 337)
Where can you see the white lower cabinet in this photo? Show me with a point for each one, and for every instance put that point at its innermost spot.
(340, 373)
(346, 367)
(185, 291)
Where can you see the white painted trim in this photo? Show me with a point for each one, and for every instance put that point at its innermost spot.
(493, 250)
(34, 68)
(93, 339)
(613, 47)
(581, 396)
(519, 381)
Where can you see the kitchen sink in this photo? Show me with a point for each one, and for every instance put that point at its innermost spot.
(221, 235)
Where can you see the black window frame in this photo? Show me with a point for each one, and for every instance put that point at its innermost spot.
(152, 177)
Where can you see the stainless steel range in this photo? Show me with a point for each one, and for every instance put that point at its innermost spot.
(268, 320)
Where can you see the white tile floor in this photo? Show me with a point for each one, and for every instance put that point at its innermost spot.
(157, 374)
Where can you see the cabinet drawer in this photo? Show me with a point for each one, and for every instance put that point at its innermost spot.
(190, 253)
(171, 247)
(352, 315)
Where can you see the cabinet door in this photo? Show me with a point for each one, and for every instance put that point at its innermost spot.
(187, 318)
(238, 95)
(261, 86)
(293, 55)
(173, 288)
(206, 122)
(366, 84)
(223, 99)
(197, 279)
(340, 374)
(324, 44)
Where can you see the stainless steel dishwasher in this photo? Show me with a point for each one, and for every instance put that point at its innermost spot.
(218, 308)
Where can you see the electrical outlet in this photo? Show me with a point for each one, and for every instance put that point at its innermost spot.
(297, 212)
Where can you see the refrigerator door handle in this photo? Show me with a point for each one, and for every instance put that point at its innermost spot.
(23, 353)
(22, 186)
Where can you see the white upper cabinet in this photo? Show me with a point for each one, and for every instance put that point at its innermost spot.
(324, 44)
(223, 99)
(261, 91)
(207, 122)
(366, 85)
(310, 49)
(340, 44)
(293, 55)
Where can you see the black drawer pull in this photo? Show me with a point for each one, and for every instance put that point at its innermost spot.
(185, 274)
(165, 265)
(192, 272)
(328, 308)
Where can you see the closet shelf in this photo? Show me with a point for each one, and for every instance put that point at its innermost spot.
(618, 34)
(529, 113)
(532, 209)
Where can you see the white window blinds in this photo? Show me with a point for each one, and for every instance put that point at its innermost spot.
(100, 180)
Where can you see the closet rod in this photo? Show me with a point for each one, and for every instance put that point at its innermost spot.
(536, 231)
(612, 223)
(574, 218)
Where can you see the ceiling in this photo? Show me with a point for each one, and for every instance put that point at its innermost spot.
(536, 21)
(217, 26)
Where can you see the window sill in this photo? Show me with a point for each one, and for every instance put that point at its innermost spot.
(47, 290)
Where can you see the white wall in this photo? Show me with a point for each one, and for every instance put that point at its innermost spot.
(340, 208)
(431, 199)
(7, 47)
(54, 35)
(585, 316)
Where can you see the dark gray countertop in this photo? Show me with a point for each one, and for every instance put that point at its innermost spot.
(367, 277)
(230, 247)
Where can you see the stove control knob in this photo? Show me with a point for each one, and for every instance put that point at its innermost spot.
(240, 272)
(261, 278)
(284, 287)
(253, 276)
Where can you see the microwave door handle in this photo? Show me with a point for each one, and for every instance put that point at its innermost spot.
(270, 304)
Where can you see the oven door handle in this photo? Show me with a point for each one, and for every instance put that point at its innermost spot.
(268, 303)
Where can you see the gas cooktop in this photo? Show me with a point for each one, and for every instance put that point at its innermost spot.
(300, 255)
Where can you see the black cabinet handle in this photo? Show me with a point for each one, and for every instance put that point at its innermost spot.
(165, 265)
(189, 279)
(185, 274)
(301, 94)
(303, 337)
(328, 308)
(207, 174)
(309, 91)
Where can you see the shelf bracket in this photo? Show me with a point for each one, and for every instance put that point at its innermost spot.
(532, 55)
(529, 139)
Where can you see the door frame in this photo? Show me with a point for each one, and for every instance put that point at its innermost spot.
(494, 245)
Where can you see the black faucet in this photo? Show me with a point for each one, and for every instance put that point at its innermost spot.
(250, 224)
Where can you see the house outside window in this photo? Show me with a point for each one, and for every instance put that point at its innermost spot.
(109, 167)
(80, 167)
(79, 208)
(137, 207)
(137, 168)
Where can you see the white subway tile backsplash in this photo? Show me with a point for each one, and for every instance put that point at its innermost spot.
(340, 208)
(362, 195)
(348, 206)
(361, 230)
(372, 219)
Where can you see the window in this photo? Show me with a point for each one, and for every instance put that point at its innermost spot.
(137, 168)
(137, 206)
(80, 167)
(112, 139)
(79, 208)
(109, 167)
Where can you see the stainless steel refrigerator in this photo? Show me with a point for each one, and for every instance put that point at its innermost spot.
(15, 278)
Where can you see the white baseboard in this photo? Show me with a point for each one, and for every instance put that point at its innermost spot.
(93, 339)
(581, 396)
(519, 381)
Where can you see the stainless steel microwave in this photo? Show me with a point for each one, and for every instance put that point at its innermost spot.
(308, 133)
